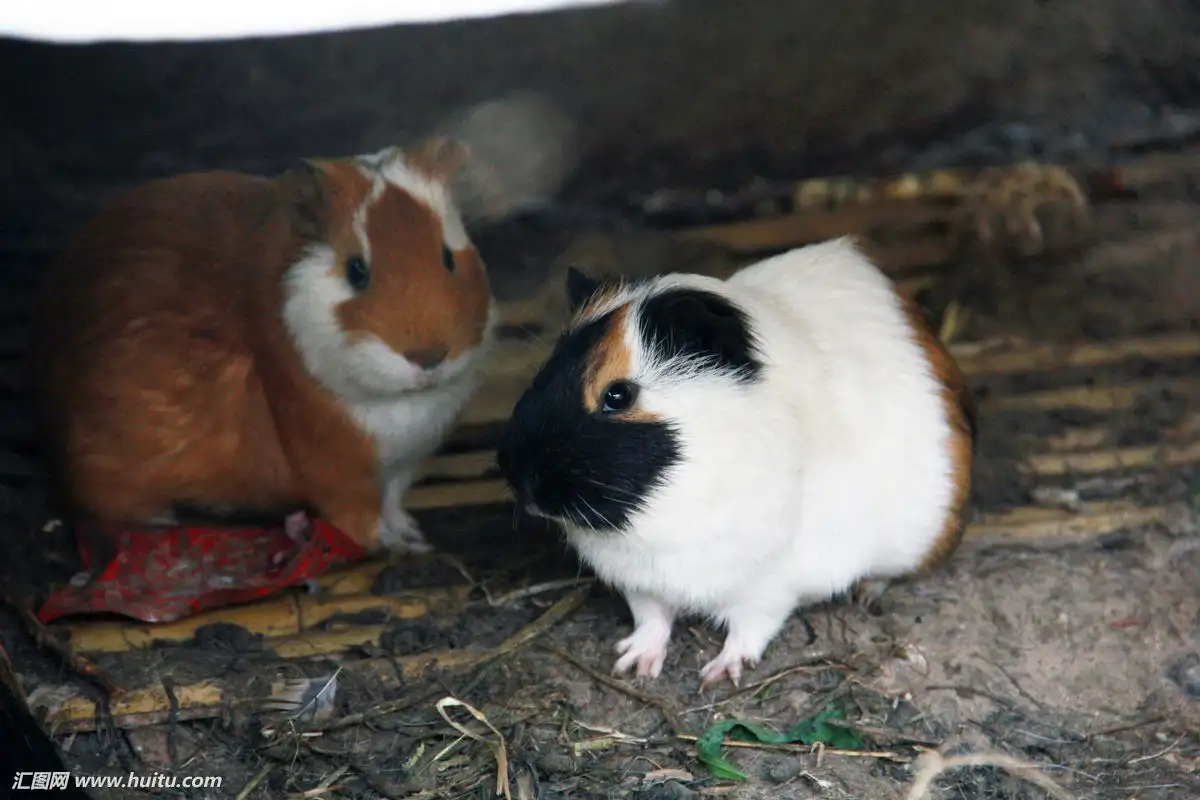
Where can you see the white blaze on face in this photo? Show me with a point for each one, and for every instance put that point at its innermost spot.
(389, 166)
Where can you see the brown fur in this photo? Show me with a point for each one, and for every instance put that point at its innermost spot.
(163, 370)
(960, 410)
(610, 361)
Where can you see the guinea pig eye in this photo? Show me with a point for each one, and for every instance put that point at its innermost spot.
(618, 397)
(448, 258)
(358, 274)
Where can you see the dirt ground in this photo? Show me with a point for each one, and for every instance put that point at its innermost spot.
(1079, 654)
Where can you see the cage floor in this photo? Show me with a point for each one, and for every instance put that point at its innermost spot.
(1066, 631)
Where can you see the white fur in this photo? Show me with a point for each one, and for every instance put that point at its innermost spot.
(390, 165)
(834, 468)
(405, 409)
(366, 371)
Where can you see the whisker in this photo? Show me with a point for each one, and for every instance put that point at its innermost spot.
(603, 518)
(611, 488)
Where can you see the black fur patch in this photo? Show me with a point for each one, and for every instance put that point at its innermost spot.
(574, 465)
(700, 324)
(580, 288)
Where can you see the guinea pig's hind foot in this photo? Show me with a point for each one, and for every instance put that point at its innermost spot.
(401, 534)
(751, 629)
(645, 649)
(728, 664)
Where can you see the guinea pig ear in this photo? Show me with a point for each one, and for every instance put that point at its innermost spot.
(698, 323)
(440, 156)
(304, 186)
(580, 288)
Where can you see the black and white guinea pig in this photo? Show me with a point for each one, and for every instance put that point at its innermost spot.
(740, 448)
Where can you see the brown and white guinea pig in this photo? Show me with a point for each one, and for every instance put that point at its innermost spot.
(233, 344)
(740, 448)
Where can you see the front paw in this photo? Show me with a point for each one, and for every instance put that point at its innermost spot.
(401, 534)
(645, 649)
(728, 664)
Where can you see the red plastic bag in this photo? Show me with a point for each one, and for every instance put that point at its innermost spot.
(164, 574)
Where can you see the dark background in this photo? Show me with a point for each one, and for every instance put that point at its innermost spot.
(687, 92)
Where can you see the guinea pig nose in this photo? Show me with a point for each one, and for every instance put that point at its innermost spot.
(427, 357)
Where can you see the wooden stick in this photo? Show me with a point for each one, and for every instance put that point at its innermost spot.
(78, 663)
(288, 615)
(810, 226)
(308, 644)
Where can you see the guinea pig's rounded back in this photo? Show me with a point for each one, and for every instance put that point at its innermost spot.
(395, 276)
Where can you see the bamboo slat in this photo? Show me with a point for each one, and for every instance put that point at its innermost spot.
(1041, 357)
(1100, 399)
(286, 615)
(1037, 525)
(149, 705)
(1167, 454)
(1107, 435)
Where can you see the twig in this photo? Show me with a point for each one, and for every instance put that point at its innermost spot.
(254, 782)
(377, 710)
(168, 684)
(539, 626)
(77, 663)
(881, 733)
(538, 588)
(324, 787)
(783, 673)
(1162, 752)
(1016, 685)
(661, 703)
(931, 764)
(1127, 726)
(805, 749)
(969, 691)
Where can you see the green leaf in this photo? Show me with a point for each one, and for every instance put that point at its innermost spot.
(813, 730)
(807, 731)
